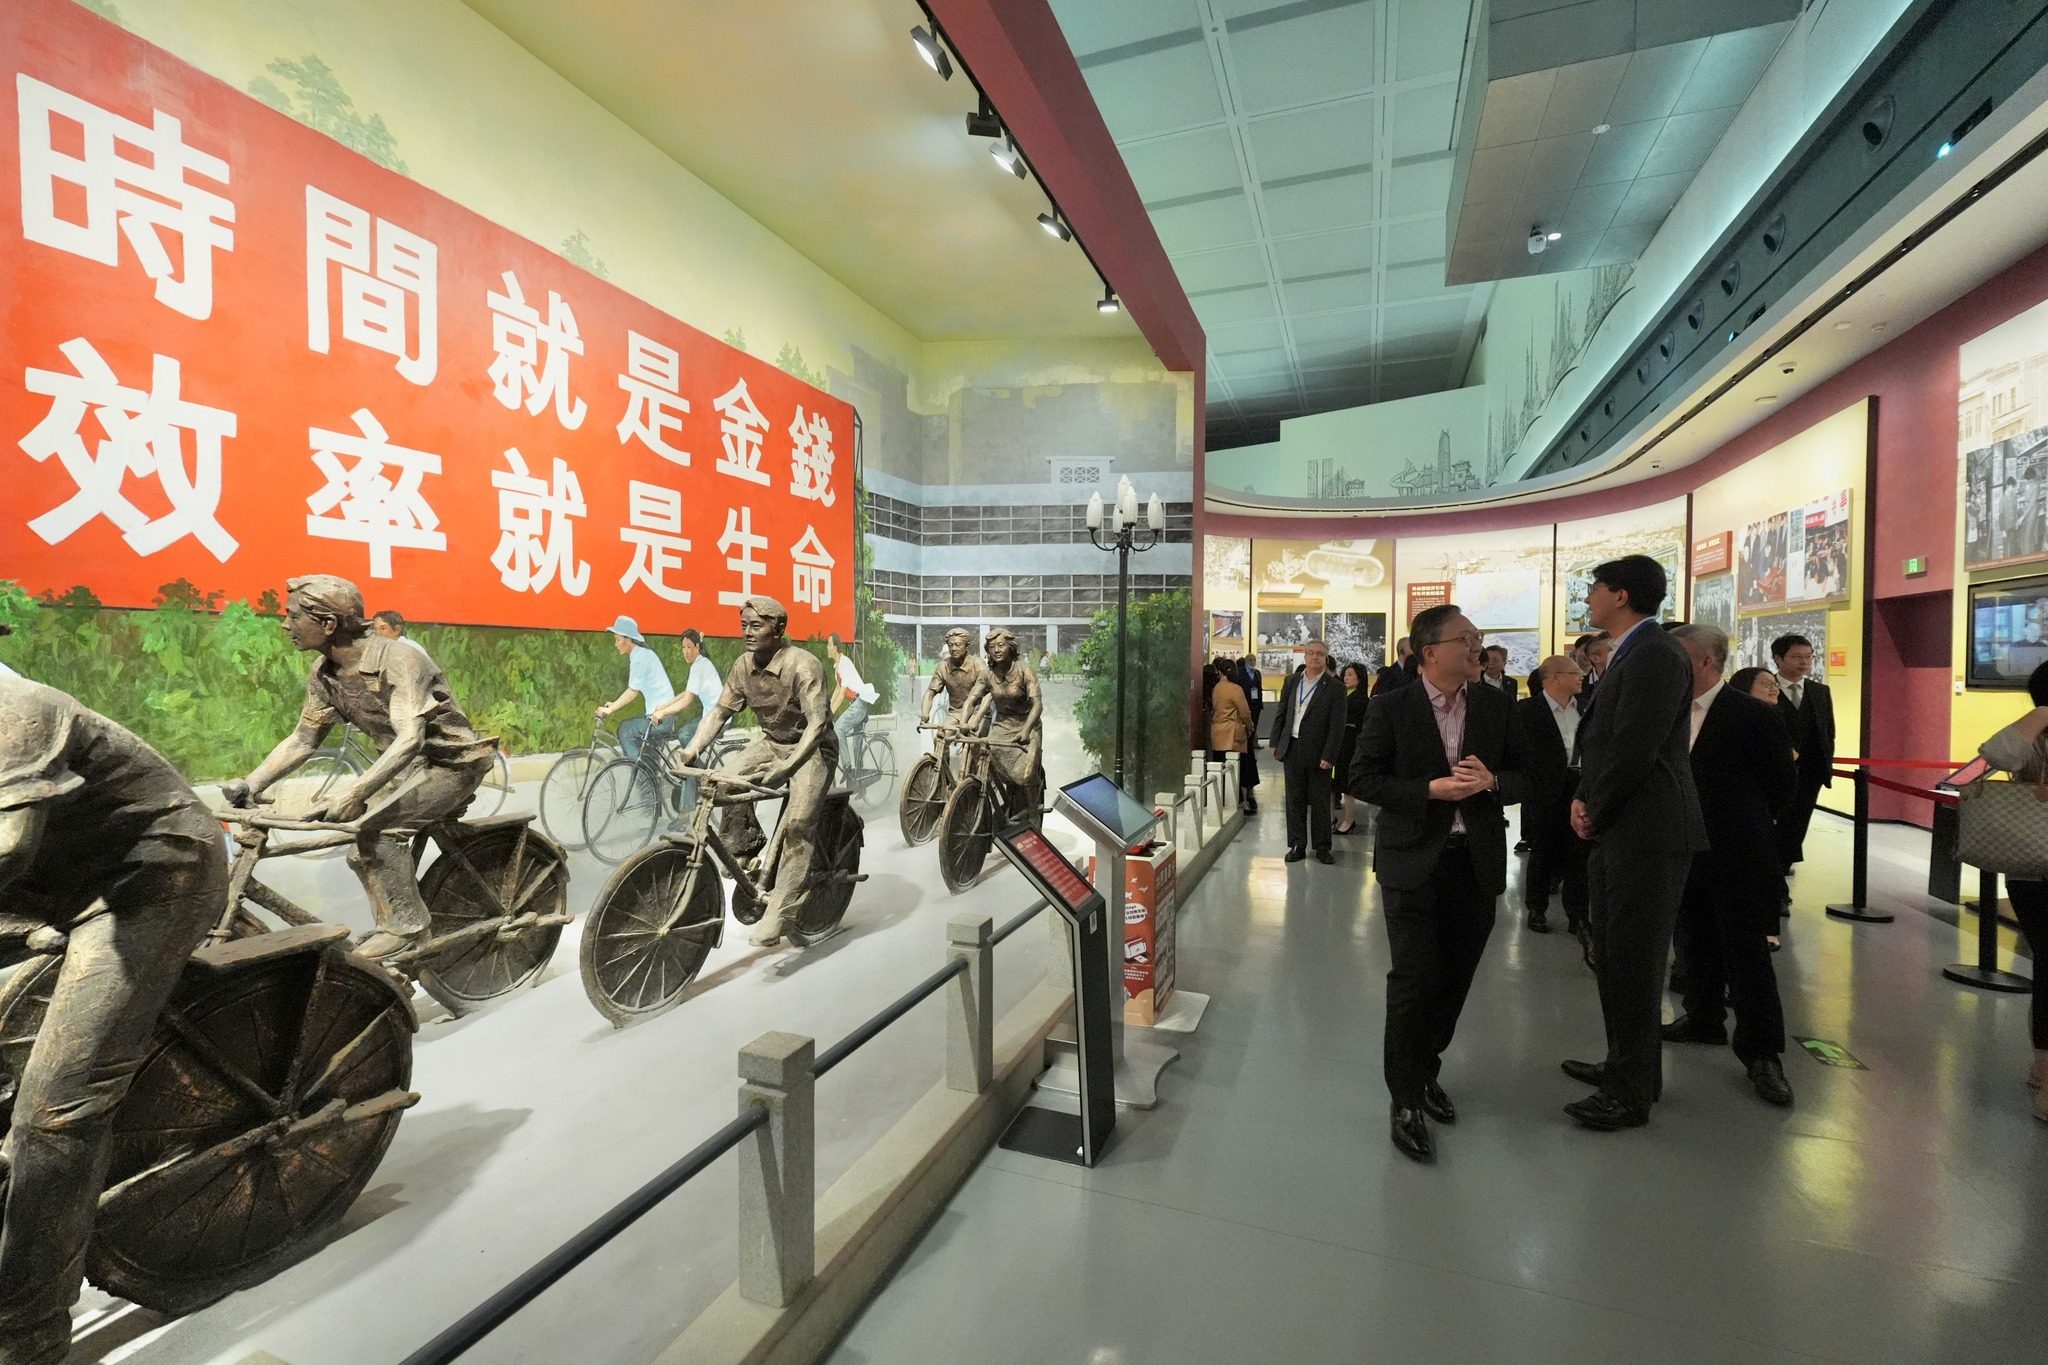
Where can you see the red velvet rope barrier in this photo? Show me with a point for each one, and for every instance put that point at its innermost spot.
(1939, 798)
(1945, 765)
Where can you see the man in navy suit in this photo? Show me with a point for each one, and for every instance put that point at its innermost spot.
(1441, 758)
(1637, 804)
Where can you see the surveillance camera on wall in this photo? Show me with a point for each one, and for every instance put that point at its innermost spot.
(1537, 241)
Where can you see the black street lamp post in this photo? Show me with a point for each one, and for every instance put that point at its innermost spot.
(1123, 534)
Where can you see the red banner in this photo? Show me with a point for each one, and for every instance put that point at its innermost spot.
(236, 351)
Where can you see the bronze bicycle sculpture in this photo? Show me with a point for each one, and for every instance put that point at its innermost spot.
(429, 764)
(933, 777)
(187, 1111)
(795, 748)
(1005, 781)
(663, 911)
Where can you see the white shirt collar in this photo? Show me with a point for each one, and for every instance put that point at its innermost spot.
(1706, 698)
(1570, 704)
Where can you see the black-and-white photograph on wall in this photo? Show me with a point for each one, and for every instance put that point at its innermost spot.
(1713, 602)
(2004, 521)
(1356, 637)
(1289, 628)
(1754, 637)
(1524, 647)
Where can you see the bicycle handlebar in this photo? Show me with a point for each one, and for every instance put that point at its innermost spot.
(712, 775)
(255, 820)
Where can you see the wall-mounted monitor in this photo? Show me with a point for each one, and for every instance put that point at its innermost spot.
(2008, 632)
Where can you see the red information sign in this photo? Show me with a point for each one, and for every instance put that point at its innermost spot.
(236, 351)
(1423, 596)
(1712, 554)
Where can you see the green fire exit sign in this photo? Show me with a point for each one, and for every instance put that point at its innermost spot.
(1916, 565)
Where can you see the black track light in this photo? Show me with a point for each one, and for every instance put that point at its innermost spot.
(1109, 303)
(933, 51)
(983, 121)
(1054, 227)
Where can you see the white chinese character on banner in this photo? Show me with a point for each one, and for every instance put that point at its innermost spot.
(741, 427)
(134, 181)
(654, 382)
(536, 539)
(811, 577)
(810, 458)
(380, 265)
(142, 434)
(533, 356)
(655, 531)
(366, 502)
(739, 532)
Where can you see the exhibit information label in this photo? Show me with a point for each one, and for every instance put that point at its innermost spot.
(236, 350)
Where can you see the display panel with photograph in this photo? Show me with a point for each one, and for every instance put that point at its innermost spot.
(1226, 625)
(1713, 602)
(1289, 629)
(1356, 637)
(2004, 521)
(1524, 647)
(2002, 439)
(1499, 598)
(2008, 632)
(1658, 530)
(1760, 562)
(1754, 635)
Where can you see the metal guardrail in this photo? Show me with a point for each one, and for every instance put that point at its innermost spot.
(777, 1174)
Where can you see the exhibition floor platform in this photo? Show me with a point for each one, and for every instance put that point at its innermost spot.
(1898, 1213)
(536, 1116)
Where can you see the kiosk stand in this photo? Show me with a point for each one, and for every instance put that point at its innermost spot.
(1117, 824)
(1076, 1138)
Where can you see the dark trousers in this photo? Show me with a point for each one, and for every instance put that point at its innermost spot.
(1308, 803)
(1722, 924)
(2030, 907)
(1554, 852)
(118, 970)
(1635, 899)
(1437, 933)
(1792, 837)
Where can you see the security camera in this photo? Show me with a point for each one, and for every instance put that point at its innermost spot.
(1787, 368)
(1537, 241)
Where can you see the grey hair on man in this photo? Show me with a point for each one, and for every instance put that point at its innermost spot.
(1711, 640)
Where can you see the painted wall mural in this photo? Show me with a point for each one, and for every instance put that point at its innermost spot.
(1536, 330)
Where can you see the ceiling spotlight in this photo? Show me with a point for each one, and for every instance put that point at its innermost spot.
(1555, 236)
(1844, 325)
(1004, 150)
(1108, 303)
(983, 121)
(1766, 398)
(933, 51)
(1054, 227)
(1600, 128)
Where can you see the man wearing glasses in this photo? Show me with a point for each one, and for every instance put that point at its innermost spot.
(1442, 759)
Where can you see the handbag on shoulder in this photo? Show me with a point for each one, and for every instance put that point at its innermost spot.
(2002, 825)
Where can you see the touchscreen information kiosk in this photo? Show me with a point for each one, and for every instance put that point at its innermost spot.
(1059, 1136)
(1105, 813)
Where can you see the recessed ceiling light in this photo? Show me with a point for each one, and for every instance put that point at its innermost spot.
(1767, 398)
(1656, 464)
(933, 51)
(1600, 128)
(1844, 325)
(1879, 326)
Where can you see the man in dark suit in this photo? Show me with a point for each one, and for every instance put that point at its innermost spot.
(1254, 691)
(1308, 725)
(1399, 673)
(1636, 802)
(1440, 759)
(1549, 722)
(1809, 711)
(1493, 663)
(1742, 769)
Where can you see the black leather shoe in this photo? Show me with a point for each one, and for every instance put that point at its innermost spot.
(1539, 922)
(1251, 808)
(1687, 1030)
(1323, 855)
(1411, 1135)
(1586, 1073)
(1768, 1076)
(1295, 855)
(1603, 1113)
(1437, 1104)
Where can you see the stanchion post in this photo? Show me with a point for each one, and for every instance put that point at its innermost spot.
(971, 1022)
(778, 1170)
(1984, 973)
(1858, 909)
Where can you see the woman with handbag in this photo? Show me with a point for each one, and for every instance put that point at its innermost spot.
(2021, 749)
(1230, 728)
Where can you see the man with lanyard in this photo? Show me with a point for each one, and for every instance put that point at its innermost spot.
(955, 674)
(429, 765)
(101, 843)
(791, 698)
(646, 679)
(851, 697)
(1306, 736)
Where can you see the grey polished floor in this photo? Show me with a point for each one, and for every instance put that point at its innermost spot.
(1898, 1213)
